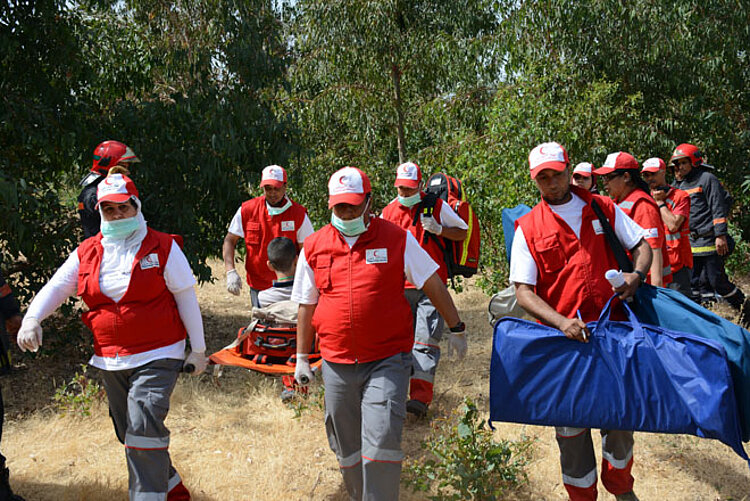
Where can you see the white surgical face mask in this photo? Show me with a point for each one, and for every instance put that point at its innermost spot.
(275, 211)
(351, 227)
(118, 230)
(410, 201)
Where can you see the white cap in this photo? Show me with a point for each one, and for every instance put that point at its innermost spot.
(584, 169)
(547, 156)
(273, 175)
(348, 186)
(408, 174)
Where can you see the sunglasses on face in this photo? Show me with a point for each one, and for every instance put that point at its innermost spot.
(612, 175)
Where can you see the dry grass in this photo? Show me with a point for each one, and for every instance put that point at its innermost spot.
(233, 439)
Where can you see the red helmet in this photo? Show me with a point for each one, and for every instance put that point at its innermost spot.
(110, 153)
(687, 150)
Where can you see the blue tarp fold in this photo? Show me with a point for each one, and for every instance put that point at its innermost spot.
(509, 217)
(671, 310)
(630, 376)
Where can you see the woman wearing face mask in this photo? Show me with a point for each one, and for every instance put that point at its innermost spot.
(350, 289)
(138, 287)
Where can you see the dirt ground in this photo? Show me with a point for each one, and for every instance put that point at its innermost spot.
(233, 439)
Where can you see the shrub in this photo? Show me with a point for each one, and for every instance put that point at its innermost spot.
(78, 395)
(463, 460)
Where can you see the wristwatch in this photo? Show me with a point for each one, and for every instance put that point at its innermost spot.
(662, 206)
(459, 327)
(641, 275)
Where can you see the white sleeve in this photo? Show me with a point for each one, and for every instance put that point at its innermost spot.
(177, 272)
(418, 265)
(235, 227)
(305, 230)
(304, 290)
(628, 231)
(523, 269)
(62, 285)
(190, 313)
(450, 219)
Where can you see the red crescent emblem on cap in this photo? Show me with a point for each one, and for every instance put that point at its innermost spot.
(541, 150)
(341, 179)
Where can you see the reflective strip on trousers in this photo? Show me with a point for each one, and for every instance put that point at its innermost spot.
(146, 443)
(174, 481)
(352, 459)
(707, 248)
(583, 482)
(423, 376)
(620, 464)
(382, 455)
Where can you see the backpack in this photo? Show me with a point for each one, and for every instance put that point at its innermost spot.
(461, 258)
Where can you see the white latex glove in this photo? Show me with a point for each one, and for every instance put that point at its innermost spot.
(429, 224)
(457, 344)
(302, 372)
(30, 334)
(234, 282)
(198, 360)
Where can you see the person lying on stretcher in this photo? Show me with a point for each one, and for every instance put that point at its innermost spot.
(282, 260)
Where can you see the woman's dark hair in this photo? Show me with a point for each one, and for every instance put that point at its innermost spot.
(636, 180)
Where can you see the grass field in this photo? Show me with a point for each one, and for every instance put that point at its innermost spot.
(233, 439)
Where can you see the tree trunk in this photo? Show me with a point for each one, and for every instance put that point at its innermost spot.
(396, 77)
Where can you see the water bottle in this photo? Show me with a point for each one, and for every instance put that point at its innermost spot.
(615, 278)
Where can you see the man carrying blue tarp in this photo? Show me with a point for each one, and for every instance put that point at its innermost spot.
(558, 261)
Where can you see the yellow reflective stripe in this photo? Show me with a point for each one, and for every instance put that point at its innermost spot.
(707, 248)
(470, 222)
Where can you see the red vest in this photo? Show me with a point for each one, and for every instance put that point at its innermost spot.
(571, 270)
(678, 243)
(362, 313)
(260, 228)
(643, 210)
(404, 217)
(146, 318)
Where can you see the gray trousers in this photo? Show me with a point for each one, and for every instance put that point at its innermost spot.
(428, 331)
(138, 404)
(364, 417)
(681, 281)
(578, 461)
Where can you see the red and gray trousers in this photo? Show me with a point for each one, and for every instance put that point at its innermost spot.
(428, 331)
(578, 462)
(138, 405)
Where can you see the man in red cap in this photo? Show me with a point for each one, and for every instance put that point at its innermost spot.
(407, 211)
(623, 182)
(674, 209)
(260, 220)
(558, 260)
(350, 288)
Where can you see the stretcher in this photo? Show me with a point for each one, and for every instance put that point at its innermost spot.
(268, 344)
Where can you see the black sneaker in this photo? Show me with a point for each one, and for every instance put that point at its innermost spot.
(5, 491)
(419, 409)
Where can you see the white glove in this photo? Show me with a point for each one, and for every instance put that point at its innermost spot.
(429, 224)
(198, 360)
(457, 344)
(30, 335)
(234, 282)
(302, 372)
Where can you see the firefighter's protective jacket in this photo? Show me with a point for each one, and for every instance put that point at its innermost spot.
(708, 209)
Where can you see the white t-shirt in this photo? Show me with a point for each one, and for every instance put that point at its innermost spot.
(448, 217)
(418, 267)
(114, 281)
(523, 268)
(236, 228)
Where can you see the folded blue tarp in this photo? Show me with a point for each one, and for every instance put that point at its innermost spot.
(671, 310)
(509, 217)
(629, 376)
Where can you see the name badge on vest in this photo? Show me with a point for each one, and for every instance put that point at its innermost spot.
(375, 256)
(287, 226)
(150, 261)
(598, 230)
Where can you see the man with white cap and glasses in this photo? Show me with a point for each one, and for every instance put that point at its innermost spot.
(350, 289)
(260, 220)
(138, 287)
(674, 209)
(558, 261)
(407, 211)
